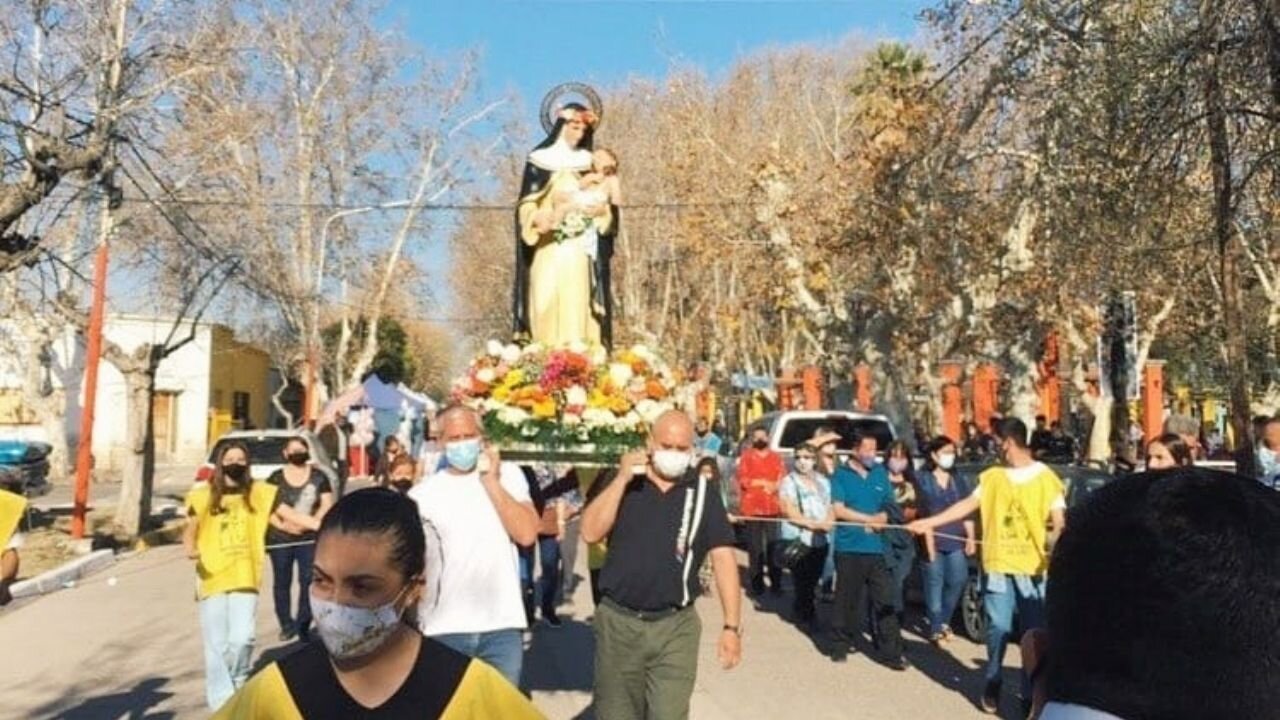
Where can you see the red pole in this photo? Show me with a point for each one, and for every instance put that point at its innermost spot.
(84, 452)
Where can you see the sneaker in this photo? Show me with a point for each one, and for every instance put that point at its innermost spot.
(947, 633)
(900, 664)
(938, 639)
(991, 697)
(288, 634)
(552, 620)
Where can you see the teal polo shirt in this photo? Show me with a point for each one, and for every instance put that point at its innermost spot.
(868, 496)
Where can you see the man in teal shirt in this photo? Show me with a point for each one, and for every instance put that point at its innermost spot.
(860, 493)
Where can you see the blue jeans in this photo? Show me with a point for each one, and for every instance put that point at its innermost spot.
(282, 562)
(1002, 596)
(227, 623)
(944, 579)
(549, 583)
(503, 649)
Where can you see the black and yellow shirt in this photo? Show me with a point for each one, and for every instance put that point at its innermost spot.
(443, 684)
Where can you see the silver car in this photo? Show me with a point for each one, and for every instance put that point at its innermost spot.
(266, 454)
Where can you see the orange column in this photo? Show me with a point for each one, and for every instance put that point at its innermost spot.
(811, 381)
(952, 399)
(862, 381)
(1153, 399)
(786, 390)
(986, 390)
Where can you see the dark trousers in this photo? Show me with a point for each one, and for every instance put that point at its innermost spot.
(528, 592)
(805, 576)
(644, 669)
(282, 562)
(549, 581)
(858, 576)
(595, 586)
(762, 538)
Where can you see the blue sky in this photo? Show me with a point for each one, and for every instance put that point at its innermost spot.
(530, 46)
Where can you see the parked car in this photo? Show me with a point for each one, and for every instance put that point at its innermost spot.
(1080, 482)
(266, 454)
(24, 467)
(790, 428)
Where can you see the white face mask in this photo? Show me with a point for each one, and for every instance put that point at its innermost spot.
(947, 461)
(672, 464)
(804, 465)
(350, 632)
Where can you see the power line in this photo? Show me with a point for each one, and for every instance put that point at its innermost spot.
(426, 207)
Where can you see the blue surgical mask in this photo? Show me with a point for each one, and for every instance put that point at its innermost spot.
(1268, 464)
(463, 454)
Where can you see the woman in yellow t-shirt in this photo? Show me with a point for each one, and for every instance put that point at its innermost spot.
(226, 536)
(372, 662)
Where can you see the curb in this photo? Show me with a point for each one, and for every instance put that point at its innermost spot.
(60, 577)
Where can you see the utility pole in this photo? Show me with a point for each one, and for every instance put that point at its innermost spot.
(84, 450)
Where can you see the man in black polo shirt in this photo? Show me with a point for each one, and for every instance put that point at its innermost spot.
(660, 524)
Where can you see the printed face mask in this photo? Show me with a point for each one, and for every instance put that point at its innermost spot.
(350, 632)
(672, 464)
(463, 454)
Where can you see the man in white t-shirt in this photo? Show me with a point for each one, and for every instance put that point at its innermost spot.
(474, 514)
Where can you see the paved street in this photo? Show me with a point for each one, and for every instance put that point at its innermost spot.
(131, 649)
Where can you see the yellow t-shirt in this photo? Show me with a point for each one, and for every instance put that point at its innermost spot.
(442, 684)
(1015, 507)
(11, 507)
(232, 543)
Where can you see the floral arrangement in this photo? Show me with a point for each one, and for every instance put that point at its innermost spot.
(573, 225)
(567, 396)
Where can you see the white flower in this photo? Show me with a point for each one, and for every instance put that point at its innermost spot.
(644, 353)
(488, 405)
(494, 348)
(571, 420)
(578, 347)
(510, 354)
(575, 396)
(620, 374)
(598, 355)
(649, 410)
(532, 349)
(485, 375)
(513, 416)
(597, 418)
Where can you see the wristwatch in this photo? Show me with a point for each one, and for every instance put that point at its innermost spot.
(735, 629)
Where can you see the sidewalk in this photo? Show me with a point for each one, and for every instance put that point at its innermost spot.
(132, 649)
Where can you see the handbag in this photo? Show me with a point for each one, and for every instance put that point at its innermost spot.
(795, 550)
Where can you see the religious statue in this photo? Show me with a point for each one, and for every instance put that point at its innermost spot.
(566, 221)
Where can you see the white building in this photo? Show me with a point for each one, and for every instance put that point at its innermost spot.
(208, 386)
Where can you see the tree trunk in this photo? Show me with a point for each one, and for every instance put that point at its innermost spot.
(1099, 443)
(134, 507)
(1023, 372)
(890, 392)
(1228, 244)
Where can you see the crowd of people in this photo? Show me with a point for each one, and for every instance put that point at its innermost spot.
(414, 594)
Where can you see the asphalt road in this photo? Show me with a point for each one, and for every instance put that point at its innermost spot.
(126, 644)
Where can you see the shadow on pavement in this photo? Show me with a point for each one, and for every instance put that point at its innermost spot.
(132, 704)
(560, 659)
(948, 671)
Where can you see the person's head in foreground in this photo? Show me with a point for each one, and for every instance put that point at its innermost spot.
(1162, 602)
(371, 661)
(369, 567)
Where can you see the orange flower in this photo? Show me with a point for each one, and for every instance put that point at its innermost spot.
(655, 390)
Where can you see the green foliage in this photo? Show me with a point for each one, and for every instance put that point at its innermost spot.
(394, 362)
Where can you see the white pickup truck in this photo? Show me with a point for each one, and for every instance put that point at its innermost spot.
(790, 428)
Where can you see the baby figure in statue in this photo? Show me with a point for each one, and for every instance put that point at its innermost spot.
(596, 191)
